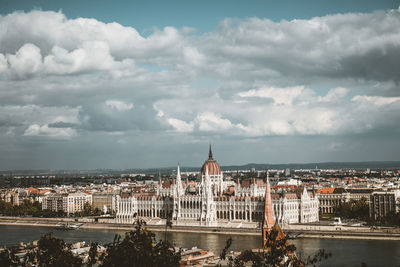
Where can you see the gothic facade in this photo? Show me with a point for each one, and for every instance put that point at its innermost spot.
(209, 204)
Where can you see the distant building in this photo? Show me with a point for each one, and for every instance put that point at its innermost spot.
(381, 204)
(99, 200)
(69, 203)
(76, 202)
(330, 198)
(54, 202)
(360, 193)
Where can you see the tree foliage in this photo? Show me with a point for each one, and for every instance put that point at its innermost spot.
(8, 258)
(139, 248)
(50, 252)
(28, 208)
(92, 259)
(391, 219)
(88, 210)
(353, 209)
(276, 253)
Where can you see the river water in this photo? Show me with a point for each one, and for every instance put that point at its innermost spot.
(344, 252)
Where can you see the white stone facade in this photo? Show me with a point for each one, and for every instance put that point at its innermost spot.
(210, 207)
(69, 203)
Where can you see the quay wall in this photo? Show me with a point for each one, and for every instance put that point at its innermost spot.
(297, 230)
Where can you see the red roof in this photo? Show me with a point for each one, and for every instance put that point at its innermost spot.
(326, 191)
(33, 190)
(213, 167)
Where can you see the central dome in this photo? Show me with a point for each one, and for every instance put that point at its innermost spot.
(210, 164)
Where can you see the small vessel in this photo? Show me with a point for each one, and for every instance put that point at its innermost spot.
(67, 226)
(337, 221)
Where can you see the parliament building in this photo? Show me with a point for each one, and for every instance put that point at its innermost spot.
(215, 202)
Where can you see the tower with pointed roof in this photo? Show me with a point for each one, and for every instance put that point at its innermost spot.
(179, 188)
(269, 220)
(178, 193)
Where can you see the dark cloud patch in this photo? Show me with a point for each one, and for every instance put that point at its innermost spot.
(379, 64)
(101, 118)
(61, 124)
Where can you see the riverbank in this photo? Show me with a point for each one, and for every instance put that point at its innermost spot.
(346, 252)
(298, 230)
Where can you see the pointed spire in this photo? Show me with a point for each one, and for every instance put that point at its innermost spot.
(210, 155)
(207, 181)
(179, 181)
(178, 172)
(269, 220)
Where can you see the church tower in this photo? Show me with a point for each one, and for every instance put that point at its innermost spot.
(269, 220)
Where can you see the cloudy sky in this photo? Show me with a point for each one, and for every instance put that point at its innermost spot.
(107, 84)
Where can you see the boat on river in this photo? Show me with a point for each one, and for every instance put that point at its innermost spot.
(67, 226)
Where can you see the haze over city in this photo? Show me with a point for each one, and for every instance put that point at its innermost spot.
(138, 85)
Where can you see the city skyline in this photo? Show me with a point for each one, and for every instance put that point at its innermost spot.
(135, 85)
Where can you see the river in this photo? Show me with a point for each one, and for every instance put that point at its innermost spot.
(344, 252)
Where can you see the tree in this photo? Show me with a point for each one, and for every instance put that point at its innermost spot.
(353, 209)
(50, 252)
(92, 254)
(225, 250)
(168, 223)
(87, 209)
(8, 258)
(139, 248)
(277, 252)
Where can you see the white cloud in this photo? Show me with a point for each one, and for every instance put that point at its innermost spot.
(26, 61)
(295, 111)
(46, 131)
(376, 100)
(90, 56)
(193, 56)
(181, 126)
(119, 105)
(209, 121)
(281, 96)
(57, 72)
(334, 94)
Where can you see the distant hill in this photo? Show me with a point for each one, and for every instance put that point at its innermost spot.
(319, 165)
(373, 165)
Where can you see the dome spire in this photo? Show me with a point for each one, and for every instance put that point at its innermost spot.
(210, 156)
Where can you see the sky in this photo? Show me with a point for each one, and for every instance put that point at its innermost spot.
(139, 84)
